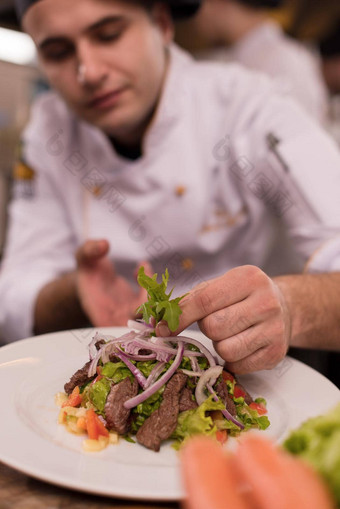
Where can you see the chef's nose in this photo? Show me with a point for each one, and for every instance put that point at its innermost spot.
(91, 71)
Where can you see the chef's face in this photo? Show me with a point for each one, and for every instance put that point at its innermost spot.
(106, 58)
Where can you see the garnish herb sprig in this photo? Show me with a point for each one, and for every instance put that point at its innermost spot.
(159, 305)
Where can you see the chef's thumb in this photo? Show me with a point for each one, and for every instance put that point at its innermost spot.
(91, 250)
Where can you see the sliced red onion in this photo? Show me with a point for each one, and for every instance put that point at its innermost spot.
(93, 366)
(225, 412)
(101, 418)
(191, 373)
(157, 370)
(141, 358)
(211, 373)
(131, 403)
(160, 348)
(194, 342)
(92, 346)
(134, 370)
(141, 326)
(194, 365)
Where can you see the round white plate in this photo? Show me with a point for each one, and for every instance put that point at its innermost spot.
(32, 371)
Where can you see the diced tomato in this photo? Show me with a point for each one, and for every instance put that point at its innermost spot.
(227, 376)
(221, 436)
(238, 392)
(95, 427)
(74, 398)
(260, 409)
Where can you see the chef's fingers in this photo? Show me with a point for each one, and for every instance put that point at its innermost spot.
(208, 476)
(216, 294)
(262, 305)
(276, 479)
(266, 357)
(92, 250)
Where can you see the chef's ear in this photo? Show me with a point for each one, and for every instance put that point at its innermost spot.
(161, 16)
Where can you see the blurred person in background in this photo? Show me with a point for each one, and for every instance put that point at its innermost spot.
(142, 153)
(242, 31)
(330, 55)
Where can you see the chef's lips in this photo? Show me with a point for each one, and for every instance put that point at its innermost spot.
(179, 8)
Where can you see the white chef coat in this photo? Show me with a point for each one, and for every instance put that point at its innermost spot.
(295, 68)
(205, 196)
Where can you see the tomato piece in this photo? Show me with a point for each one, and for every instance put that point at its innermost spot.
(260, 409)
(92, 429)
(221, 436)
(227, 376)
(95, 427)
(102, 431)
(74, 398)
(238, 392)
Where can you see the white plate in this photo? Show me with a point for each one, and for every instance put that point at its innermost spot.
(32, 371)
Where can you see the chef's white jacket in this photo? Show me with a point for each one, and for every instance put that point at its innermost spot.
(225, 161)
(295, 68)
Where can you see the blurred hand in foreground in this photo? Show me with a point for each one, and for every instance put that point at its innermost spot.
(256, 476)
(244, 313)
(106, 297)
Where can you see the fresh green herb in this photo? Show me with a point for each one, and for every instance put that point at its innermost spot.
(159, 304)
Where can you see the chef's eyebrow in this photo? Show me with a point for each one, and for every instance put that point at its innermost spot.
(95, 26)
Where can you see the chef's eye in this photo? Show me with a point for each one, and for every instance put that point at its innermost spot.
(57, 52)
(110, 31)
(108, 36)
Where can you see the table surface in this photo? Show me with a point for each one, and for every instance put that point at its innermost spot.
(19, 491)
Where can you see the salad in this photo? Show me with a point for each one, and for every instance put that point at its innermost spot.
(150, 389)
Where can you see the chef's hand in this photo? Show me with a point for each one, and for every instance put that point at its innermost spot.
(256, 476)
(244, 313)
(105, 296)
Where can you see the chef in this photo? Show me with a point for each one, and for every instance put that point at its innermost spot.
(243, 31)
(142, 155)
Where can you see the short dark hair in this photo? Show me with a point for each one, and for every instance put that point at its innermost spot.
(263, 4)
(178, 8)
(330, 44)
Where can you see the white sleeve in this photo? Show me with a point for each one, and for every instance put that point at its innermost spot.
(40, 246)
(296, 176)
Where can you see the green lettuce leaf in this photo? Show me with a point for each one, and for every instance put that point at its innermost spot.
(98, 393)
(196, 421)
(145, 409)
(116, 371)
(318, 442)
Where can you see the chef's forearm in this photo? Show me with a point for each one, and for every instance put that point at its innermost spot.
(314, 304)
(57, 306)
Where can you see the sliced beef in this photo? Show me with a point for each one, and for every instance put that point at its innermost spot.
(80, 377)
(163, 421)
(185, 401)
(116, 415)
(222, 392)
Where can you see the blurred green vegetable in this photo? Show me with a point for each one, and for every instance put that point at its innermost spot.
(318, 442)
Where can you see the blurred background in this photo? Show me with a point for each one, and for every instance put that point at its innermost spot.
(313, 23)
